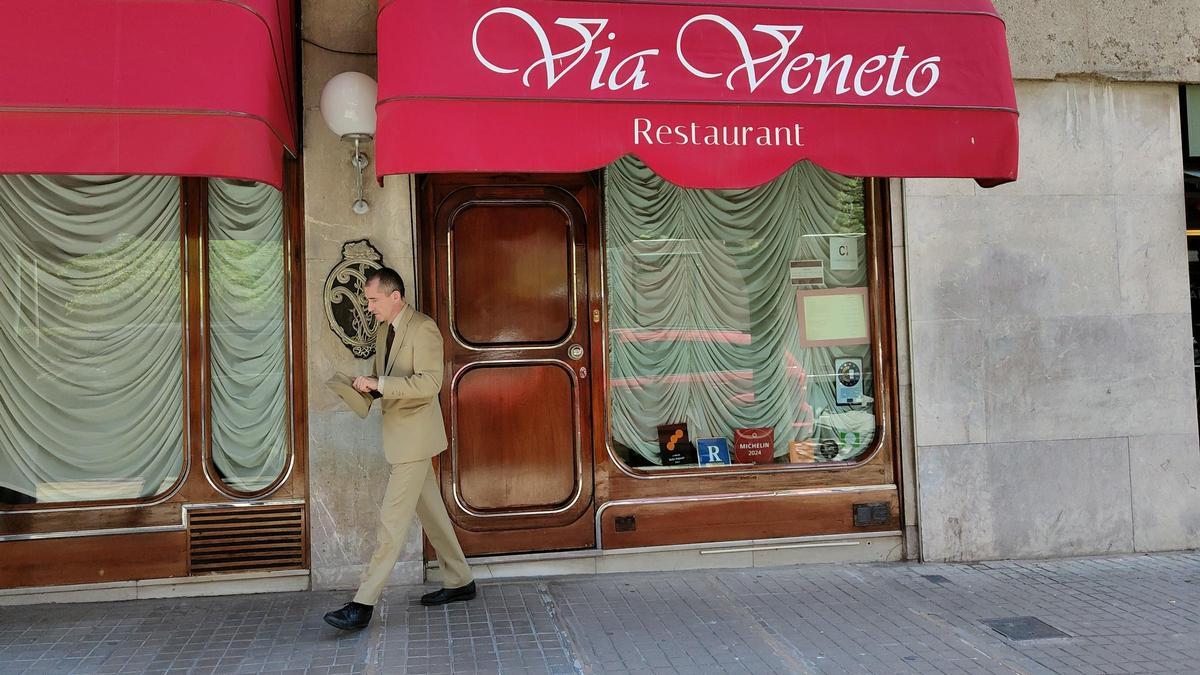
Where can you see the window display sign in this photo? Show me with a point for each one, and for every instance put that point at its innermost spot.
(843, 253)
(846, 434)
(712, 451)
(849, 380)
(833, 317)
(684, 454)
(802, 452)
(754, 446)
(674, 446)
(806, 272)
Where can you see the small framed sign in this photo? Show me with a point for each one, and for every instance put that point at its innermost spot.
(674, 446)
(806, 272)
(683, 454)
(849, 379)
(843, 253)
(802, 452)
(754, 446)
(833, 317)
(713, 451)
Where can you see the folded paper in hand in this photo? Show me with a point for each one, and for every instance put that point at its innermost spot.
(343, 385)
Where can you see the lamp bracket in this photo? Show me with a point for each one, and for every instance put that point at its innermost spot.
(360, 162)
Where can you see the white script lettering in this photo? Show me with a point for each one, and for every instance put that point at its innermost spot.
(591, 45)
(588, 30)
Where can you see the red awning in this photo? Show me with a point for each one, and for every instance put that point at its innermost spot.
(720, 94)
(196, 88)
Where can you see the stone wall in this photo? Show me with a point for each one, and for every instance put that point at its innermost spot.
(1054, 394)
(347, 472)
(1123, 40)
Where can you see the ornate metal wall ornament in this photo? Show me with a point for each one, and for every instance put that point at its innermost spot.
(345, 304)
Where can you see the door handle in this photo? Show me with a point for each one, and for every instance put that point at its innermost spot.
(575, 352)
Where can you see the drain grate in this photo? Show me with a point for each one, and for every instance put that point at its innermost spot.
(1018, 628)
(935, 579)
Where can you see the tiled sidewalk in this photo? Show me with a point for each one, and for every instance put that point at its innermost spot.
(1120, 615)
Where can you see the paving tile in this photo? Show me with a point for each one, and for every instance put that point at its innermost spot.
(1121, 614)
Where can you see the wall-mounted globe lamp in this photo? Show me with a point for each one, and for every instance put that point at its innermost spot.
(348, 106)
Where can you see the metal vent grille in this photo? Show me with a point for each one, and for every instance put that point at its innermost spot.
(246, 538)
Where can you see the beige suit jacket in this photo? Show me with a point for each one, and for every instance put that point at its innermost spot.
(411, 377)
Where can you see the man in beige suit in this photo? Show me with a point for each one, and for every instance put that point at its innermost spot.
(406, 377)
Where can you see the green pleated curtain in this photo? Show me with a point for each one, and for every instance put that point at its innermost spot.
(91, 341)
(702, 312)
(247, 333)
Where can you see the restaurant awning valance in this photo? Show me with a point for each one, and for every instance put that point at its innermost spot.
(718, 94)
(193, 88)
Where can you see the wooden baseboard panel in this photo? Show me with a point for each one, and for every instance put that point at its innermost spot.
(745, 517)
(89, 560)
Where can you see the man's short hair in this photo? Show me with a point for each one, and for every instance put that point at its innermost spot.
(387, 279)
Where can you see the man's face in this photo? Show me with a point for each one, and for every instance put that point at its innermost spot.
(385, 306)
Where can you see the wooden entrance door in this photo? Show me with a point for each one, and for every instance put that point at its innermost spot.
(505, 263)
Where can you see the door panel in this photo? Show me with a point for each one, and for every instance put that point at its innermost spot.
(518, 438)
(514, 261)
(506, 268)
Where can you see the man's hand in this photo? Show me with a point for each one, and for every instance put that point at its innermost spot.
(366, 384)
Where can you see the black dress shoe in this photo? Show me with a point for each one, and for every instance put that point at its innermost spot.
(353, 616)
(441, 597)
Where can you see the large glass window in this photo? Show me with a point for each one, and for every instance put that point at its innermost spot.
(739, 321)
(103, 325)
(91, 340)
(247, 334)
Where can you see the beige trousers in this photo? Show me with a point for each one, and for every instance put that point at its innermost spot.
(412, 488)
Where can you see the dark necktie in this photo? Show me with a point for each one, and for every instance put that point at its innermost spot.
(391, 337)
